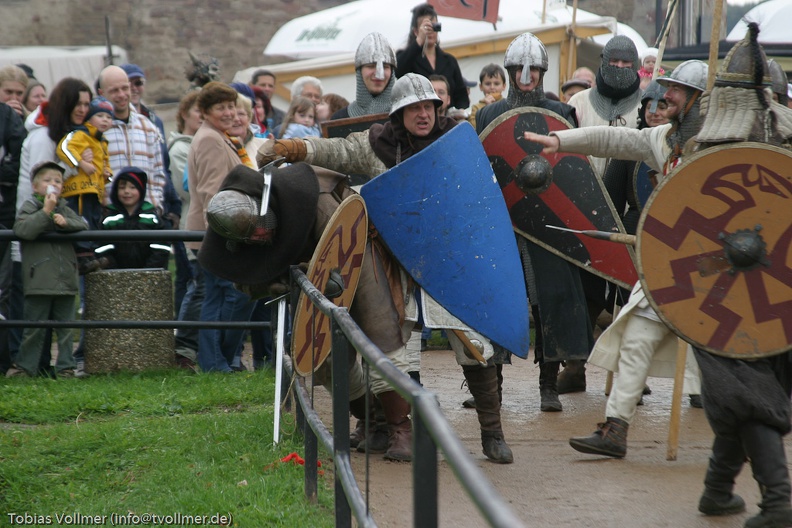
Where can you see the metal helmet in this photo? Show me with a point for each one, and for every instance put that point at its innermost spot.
(526, 50)
(654, 92)
(778, 76)
(375, 49)
(235, 216)
(780, 87)
(691, 73)
(740, 68)
(410, 89)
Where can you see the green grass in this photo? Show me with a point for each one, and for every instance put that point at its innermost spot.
(162, 442)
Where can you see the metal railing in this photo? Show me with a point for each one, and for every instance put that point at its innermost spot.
(431, 431)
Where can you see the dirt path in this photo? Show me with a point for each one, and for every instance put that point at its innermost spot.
(551, 485)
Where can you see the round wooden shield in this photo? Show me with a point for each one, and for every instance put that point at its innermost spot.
(574, 197)
(714, 250)
(341, 248)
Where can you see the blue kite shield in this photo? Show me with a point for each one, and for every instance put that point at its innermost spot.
(442, 215)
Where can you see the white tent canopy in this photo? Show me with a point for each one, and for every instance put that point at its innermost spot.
(50, 64)
(340, 29)
(772, 17)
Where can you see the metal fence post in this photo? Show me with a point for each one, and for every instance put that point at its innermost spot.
(425, 488)
(340, 359)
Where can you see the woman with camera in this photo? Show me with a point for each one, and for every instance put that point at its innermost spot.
(424, 56)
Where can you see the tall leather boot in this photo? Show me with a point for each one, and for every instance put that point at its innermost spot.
(484, 386)
(397, 414)
(610, 439)
(375, 439)
(548, 390)
(573, 377)
(765, 448)
(725, 464)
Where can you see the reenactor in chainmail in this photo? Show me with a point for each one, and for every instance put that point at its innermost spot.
(747, 402)
(616, 97)
(637, 343)
(613, 101)
(554, 288)
(375, 62)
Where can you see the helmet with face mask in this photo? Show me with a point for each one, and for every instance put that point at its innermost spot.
(617, 92)
(412, 88)
(373, 49)
(526, 52)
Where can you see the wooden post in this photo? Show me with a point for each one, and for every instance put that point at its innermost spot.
(676, 401)
(572, 58)
(662, 38)
(717, 16)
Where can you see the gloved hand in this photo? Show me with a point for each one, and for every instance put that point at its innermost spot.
(293, 150)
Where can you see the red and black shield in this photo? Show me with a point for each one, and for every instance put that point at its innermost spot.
(568, 195)
(715, 250)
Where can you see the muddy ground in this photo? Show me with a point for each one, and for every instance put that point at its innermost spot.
(551, 485)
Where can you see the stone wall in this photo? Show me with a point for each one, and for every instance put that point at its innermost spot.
(157, 34)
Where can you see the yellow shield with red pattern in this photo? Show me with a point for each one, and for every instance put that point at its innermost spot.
(341, 248)
(715, 250)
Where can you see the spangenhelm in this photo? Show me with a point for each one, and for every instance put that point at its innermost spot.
(691, 73)
(411, 88)
(654, 92)
(745, 66)
(375, 49)
(526, 50)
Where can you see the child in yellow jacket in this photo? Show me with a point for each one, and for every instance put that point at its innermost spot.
(492, 82)
(84, 191)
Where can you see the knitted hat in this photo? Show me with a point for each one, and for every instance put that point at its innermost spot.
(244, 89)
(99, 104)
(134, 175)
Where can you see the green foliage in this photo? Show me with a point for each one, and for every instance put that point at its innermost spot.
(161, 442)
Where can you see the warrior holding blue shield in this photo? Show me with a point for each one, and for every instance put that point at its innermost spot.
(413, 126)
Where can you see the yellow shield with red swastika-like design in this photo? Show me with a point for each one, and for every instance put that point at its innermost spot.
(715, 250)
(341, 247)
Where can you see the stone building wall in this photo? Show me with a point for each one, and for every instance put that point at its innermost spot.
(157, 34)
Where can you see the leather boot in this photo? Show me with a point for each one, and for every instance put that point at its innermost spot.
(484, 384)
(397, 414)
(548, 390)
(725, 464)
(610, 439)
(765, 448)
(376, 438)
(573, 377)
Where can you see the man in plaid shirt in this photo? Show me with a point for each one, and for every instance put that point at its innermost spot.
(133, 140)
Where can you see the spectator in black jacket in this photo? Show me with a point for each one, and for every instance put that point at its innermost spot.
(424, 56)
